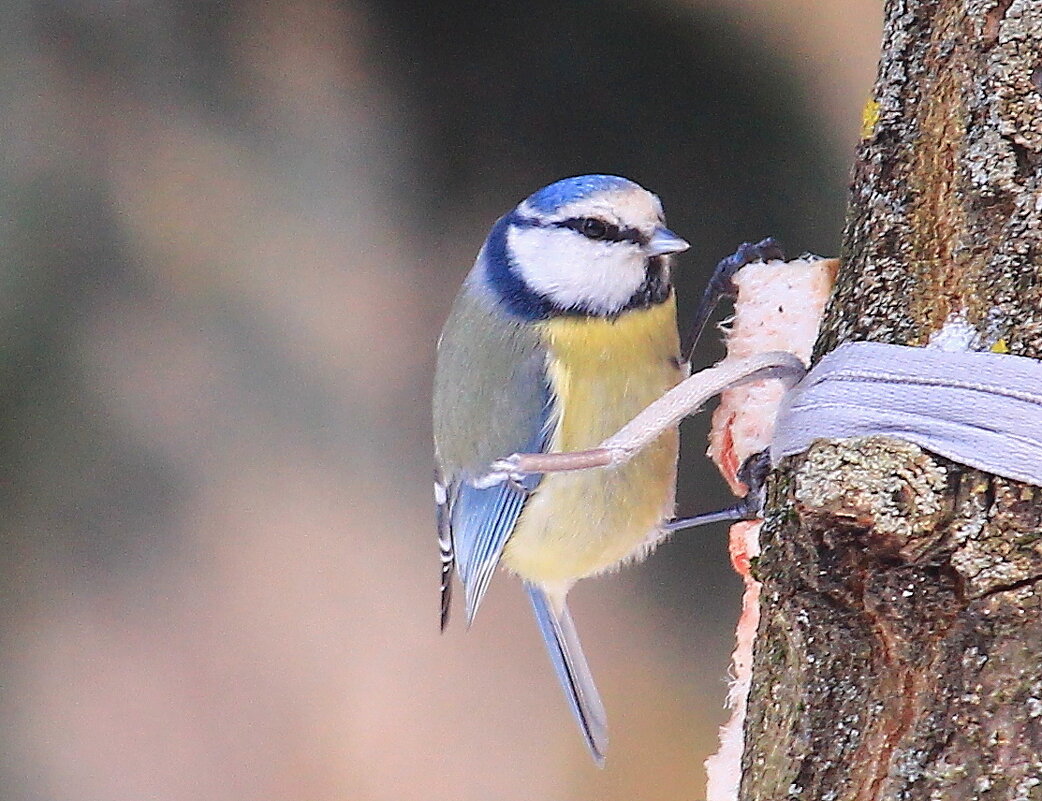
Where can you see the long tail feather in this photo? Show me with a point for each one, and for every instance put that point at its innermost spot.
(573, 672)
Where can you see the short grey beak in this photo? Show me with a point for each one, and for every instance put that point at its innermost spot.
(664, 241)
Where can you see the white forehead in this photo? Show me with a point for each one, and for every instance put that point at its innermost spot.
(632, 206)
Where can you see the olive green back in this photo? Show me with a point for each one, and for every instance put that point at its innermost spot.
(490, 390)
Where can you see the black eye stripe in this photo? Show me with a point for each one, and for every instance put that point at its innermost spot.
(611, 232)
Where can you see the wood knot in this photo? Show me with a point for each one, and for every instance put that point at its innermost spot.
(884, 492)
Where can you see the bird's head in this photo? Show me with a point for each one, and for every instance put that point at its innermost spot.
(592, 245)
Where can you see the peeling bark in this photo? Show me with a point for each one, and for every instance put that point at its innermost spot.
(899, 654)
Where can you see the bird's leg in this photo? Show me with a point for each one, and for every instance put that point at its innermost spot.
(684, 399)
(518, 465)
(721, 283)
(752, 473)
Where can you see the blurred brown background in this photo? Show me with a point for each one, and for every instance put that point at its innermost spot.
(229, 232)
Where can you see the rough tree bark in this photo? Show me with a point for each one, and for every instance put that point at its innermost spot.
(899, 654)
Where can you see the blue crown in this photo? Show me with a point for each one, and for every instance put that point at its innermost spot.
(550, 198)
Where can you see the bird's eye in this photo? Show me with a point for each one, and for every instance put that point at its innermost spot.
(597, 229)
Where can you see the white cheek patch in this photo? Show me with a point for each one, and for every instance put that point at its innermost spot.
(572, 271)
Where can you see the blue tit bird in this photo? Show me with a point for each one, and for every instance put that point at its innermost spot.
(564, 329)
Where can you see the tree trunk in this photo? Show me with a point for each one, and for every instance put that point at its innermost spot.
(899, 653)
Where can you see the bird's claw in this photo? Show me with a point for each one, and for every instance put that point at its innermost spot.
(508, 471)
(765, 250)
(509, 466)
(721, 283)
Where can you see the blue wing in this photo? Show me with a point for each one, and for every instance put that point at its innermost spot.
(491, 398)
(482, 519)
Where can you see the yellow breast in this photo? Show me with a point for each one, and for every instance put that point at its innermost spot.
(602, 372)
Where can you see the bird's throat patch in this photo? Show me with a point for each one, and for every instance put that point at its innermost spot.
(637, 335)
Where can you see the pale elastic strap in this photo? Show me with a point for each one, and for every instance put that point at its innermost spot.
(983, 410)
